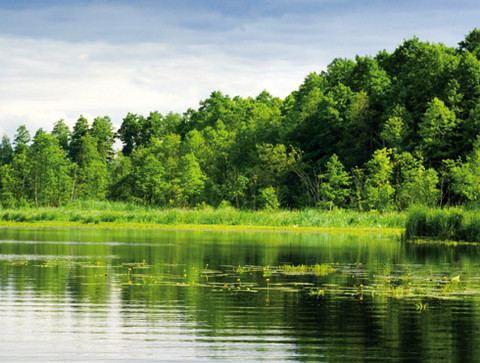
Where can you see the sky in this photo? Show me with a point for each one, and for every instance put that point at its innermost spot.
(63, 59)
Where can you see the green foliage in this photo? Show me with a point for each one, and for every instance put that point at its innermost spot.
(192, 179)
(335, 187)
(48, 171)
(103, 136)
(396, 121)
(378, 191)
(471, 43)
(466, 177)
(6, 151)
(62, 132)
(92, 175)
(436, 129)
(268, 198)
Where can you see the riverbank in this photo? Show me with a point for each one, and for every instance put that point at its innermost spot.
(449, 224)
(128, 216)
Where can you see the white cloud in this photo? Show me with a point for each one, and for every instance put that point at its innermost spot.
(44, 80)
(60, 62)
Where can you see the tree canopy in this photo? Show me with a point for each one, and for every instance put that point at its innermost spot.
(377, 132)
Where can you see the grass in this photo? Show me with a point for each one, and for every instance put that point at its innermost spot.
(118, 215)
(452, 224)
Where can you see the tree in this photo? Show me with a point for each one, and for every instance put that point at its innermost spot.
(128, 133)
(121, 178)
(149, 178)
(48, 172)
(80, 130)
(436, 130)
(268, 198)
(62, 132)
(466, 176)
(92, 174)
(471, 43)
(103, 136)
(6, 151)
(415, 184)
(20, 165)
(378, 192)
(335, 187)
(21, 139)
(192, 179)
(393, 132)
(7, 185)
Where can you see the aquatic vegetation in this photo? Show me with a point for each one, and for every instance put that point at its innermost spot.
(452, 224)
(318, 281)
(319, 270)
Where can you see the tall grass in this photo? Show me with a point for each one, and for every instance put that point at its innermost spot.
(455, 224)
(104, 212)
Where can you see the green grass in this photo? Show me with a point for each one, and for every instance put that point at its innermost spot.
(452, 224)
(116, 214)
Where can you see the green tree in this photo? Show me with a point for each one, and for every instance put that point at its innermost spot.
(62, 132)
(21, 139)
(378, 191)
(80, 130)
(466, 176)
(6, 151)
(436, 130)
(335, 187)
(150, 185)
(92, 174)
(192, 179)
(20, 165)
(7, 185)
(103, 136)
(128, 133)
(415, 184)
(49, 171)
(121, 178)
(268, 198)
(471, 43)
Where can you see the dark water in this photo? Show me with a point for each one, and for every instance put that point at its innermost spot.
(69, 295)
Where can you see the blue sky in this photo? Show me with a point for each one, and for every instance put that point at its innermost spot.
(60, 59)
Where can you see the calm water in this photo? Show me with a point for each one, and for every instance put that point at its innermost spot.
(69, 295)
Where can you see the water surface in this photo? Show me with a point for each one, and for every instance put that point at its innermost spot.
(83, 295)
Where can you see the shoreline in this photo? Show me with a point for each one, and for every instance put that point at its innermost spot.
(197, 227)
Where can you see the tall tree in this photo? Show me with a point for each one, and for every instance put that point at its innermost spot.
(103, 136)
(336, 182)
(378, 191)
(21, 139)
(471, 43)
(92, 174)
(6, 151)
(62, 132)
(49, 172)
(80, 130)
(437, 132)
(128, 133)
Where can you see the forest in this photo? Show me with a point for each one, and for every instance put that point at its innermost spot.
(379, 133)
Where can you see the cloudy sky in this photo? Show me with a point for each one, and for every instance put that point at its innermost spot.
(64, 58)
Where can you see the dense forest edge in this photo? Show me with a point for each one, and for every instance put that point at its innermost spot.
(373, 134)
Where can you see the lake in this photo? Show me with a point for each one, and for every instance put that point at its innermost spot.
(85, 295)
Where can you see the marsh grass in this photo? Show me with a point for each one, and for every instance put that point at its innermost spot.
(452, 224)
(93, 212)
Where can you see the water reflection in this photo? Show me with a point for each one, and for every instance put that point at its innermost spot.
(132, 295)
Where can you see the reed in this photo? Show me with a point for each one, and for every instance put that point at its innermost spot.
(449, 224)
(94, 212)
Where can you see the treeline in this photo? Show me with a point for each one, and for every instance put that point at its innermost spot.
(373, 133)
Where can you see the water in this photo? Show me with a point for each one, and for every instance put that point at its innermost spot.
(85, 295)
